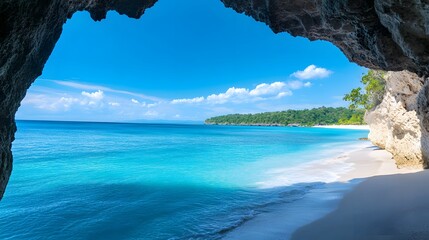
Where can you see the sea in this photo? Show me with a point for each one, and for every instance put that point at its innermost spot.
(82, 180)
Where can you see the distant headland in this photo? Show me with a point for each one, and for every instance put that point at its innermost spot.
(294, 118)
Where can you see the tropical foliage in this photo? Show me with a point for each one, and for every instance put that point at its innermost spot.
(306, 117)
(371, 95)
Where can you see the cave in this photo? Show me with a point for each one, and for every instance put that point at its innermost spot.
(380, 34)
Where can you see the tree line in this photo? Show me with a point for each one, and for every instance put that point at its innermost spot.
(306, 117)
(360, 100)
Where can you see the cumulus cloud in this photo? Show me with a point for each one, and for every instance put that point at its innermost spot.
(188, 100)
(263, 91)
(50, 103)
(67, 102)
(46, 102)
(98, 95)
(143, 104)
(267, 89)
(284, 94)
(232, 94)
(294, 85)
(312, 72)
(108, 102)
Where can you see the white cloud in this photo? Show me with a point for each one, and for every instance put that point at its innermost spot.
(263, 91)
(284, 94)
(41, 101)
(232, 94)
(50, 103)
(142, 104)
(92, 101)
(114, 104)
(64, 102)
(294, 85)
(89, 87)
(96, 96)
(67, 102)
(150, 105)
(312, 72)
(188, 100)
(267, 89)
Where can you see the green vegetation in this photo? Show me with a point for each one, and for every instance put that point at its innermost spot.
(371, 95)
(360, 100)
(306, 117)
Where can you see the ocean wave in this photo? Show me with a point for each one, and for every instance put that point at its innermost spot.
(320, 168)
(244, 212)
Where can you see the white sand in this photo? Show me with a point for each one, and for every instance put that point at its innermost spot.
(354, 127)
(281, 221)
(393, 207)
(370, 162)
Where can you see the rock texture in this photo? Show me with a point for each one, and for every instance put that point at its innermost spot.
(398, 123)
(378, 34)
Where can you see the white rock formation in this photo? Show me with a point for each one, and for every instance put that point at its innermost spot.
(396, 123)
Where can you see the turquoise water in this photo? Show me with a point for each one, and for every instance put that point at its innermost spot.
(152, 181)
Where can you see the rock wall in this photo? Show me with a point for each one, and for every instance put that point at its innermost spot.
(378, 34)
(397, 123)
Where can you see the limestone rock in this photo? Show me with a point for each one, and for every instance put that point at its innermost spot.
(396, 123)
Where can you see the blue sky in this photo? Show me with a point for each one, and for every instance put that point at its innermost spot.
(186, 60)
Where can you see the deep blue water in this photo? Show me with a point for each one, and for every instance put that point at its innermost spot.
(152, 181)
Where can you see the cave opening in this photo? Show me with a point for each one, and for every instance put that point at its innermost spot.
(363, 31)
(178, 54)
(182, 63)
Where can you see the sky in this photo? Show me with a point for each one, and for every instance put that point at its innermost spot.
(183, 61)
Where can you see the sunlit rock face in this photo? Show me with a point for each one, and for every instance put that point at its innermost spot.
(398, 123)
(379, 34)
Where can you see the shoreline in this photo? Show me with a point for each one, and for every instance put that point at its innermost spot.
(334, 126)
(352, 127)
(284, 220)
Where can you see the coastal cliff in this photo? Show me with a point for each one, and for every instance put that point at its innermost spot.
(380, 34)
(398, 123)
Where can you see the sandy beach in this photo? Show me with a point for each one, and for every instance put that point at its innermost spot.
(386, 206)
(359, 205)
(356, 127)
